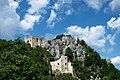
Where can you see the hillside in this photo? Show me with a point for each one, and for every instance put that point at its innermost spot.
(19, 61)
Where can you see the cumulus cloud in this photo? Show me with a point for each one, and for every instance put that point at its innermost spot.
(29, 21)
(114, 22)
(94, 36)
(33, 13)
(9, 20)
(116, 60)
(114, 4)
(36, 5)
(13, 4)
(51, 19)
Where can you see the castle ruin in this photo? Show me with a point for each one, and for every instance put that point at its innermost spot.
(62, 65)
(35, 41)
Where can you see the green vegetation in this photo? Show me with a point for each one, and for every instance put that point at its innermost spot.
(65, 77)
(95, 66)
(59, 36)
(69, 54)
(18, 61)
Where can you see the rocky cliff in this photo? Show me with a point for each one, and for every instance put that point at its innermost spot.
(59, 45)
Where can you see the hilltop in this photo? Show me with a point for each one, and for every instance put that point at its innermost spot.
(18, 60)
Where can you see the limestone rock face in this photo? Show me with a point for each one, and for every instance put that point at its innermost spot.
(58, 46)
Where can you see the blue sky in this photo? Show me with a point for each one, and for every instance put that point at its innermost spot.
(95, 21)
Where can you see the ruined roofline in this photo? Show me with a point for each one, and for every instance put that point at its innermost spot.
(62, 64)
(59, 58)
(33, 36)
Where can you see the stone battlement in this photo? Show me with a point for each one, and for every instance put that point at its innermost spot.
(35, 41)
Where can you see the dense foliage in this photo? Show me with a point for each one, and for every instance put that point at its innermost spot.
(18, 61)
(65, 77)
(61, 35)
(69, 54)
(94, 66)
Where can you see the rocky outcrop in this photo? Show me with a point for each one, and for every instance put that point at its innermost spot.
(58, 46)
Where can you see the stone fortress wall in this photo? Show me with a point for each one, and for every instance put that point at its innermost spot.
(57, 48)
(62, 65)
(35, 41)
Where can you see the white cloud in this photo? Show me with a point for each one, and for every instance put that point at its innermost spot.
(111, 39)
(59, 8)
(11, 24)
(56, 6)
(36, 5)
(114, 4)
(68, 12)
(94, 36)
(61, 3)
(29, 21)
(9, 20)
(33, 14)
(116, 60)
(114, 22)
(13, 4)
(51, 20)
(95, 4)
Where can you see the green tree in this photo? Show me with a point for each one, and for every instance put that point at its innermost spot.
(69, 54)
(18, 61)
(65, 77)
